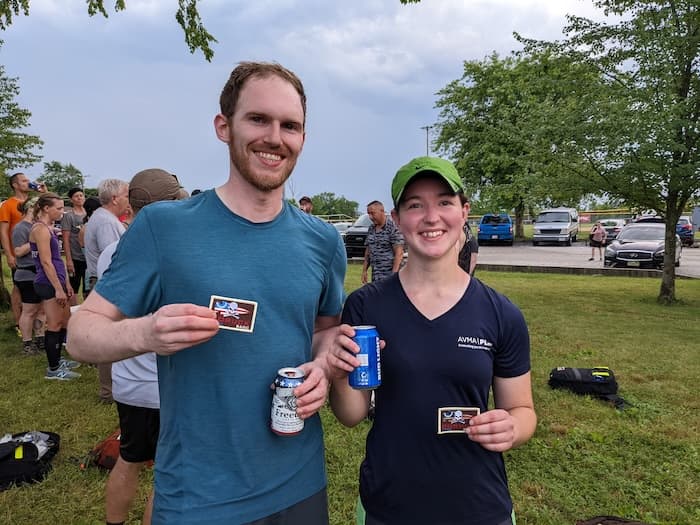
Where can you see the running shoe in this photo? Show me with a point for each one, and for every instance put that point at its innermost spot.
(62, 374)
(68, 364)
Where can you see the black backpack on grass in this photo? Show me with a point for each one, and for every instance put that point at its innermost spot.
(597, 382)
(26, 457)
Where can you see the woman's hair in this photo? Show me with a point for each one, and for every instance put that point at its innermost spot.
(45, 199)
(24, 207)
(91, 204)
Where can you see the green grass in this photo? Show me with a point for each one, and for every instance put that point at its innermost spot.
(585, 459)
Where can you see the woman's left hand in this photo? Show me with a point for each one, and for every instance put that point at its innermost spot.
(494, 430)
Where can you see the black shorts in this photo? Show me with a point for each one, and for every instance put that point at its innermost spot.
(79, 275)
(596, 244)
(140, 427)
(310, 511)
(46, 291)
(27, 292)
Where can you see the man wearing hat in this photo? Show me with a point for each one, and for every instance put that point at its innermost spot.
(306, 205)
(135, 380)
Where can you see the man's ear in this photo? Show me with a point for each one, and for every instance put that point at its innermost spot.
(222, 128)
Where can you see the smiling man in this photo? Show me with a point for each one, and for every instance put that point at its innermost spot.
(217, 460)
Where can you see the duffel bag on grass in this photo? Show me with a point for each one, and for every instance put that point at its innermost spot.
(26, 457)
(598, 382)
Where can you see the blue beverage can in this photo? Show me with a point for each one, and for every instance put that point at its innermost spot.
(284, 420)
(369, 374)
(33, 186)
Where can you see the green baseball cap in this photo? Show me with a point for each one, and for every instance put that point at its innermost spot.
(420, 165)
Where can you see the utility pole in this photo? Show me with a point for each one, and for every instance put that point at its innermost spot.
(427, 134)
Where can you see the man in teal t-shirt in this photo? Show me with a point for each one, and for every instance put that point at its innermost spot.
(218, 461)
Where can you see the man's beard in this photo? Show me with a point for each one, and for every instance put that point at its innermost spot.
(266, 184)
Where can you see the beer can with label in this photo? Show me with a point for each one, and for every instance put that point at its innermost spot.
(284, 420)
(369, 374)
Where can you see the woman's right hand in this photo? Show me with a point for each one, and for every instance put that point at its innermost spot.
(61, 297)
(341, 357)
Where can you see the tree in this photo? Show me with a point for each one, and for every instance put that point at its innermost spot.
(59, 178)
(17, 148)
(495, 122)
(329, 204)
(639, 130)
(187, 15)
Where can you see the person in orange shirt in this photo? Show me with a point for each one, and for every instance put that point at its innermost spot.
(9, 217)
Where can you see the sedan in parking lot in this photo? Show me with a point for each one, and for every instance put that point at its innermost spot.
(640, 245)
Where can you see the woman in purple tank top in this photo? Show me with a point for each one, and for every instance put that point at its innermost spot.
(51, 284)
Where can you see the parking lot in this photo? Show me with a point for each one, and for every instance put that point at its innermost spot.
(575, 256)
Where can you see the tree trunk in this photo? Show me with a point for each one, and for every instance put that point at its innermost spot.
(519, 214)
(667, 291)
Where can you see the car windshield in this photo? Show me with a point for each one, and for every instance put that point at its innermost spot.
(553, 216)
(495, 219)
(641, 234)
(363, 221)
(683, 221)
(611, 223)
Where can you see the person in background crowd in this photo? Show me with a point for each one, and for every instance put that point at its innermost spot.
(135, 380)
(218, 461)
(468, 244)
(9, 217)
(104, 228)
(597, 239)
(306, 205)
(51, 284)
(71, 224)
(196, 192)
(449, 340)
(31, 318)
(383, 245)
(91, 204)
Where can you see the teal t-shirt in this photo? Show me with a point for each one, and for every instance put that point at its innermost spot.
(217, 460)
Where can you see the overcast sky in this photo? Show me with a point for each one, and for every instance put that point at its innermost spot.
(114, 96)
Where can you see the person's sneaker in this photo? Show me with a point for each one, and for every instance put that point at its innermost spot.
(39, 342)
(29, 348)
(18, 331)
(68, 364)
(62, 374)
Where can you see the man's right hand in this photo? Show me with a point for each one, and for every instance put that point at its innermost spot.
(364, 277)
(174, 327)
(11, 261)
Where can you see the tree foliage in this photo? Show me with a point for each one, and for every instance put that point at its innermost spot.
(328, 203)
(187, 15)
(639, 130)
(59, 178)
(17, 148)
(499, 123)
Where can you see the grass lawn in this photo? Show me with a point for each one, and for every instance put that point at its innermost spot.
(585, 459)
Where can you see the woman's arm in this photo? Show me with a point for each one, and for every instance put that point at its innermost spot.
(512, 422)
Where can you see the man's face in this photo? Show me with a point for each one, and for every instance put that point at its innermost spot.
(306, 206)
(21, 183)
(121, 200)
(376, 214)
(266, 133)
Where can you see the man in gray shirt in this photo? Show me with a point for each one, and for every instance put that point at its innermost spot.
(101, 230)
(383, 246)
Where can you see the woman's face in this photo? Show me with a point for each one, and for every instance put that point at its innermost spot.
(431, 218)
(55, 211)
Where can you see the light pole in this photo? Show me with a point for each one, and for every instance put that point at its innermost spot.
(427, 134)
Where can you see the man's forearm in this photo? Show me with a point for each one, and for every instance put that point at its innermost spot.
(95, 338)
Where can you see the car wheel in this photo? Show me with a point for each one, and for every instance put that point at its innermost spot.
(510, 242)
(678, 263)
(568, 241)
(535, 243)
